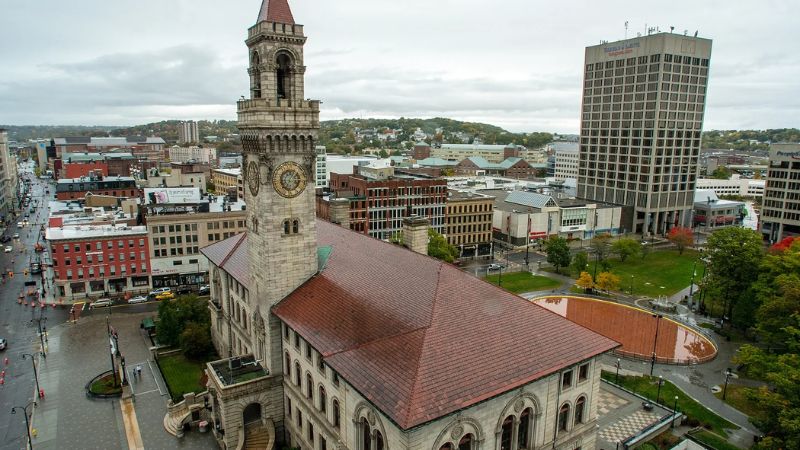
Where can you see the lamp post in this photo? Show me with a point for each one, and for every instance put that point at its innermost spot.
(616, 377)
(631, 289)
(655, 342)
(27, 423)
(528, 239)
(111, 351)
(660, 383)
(35, 375)
(674, 413)
(728, 374)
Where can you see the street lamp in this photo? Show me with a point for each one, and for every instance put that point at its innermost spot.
(616, 377)
(41, 333)
(528, 239)
(111, 351)
(660, 383)
(631, 289)
(655, 342)
(674, 413)
(728, 374)
(35, 375)
(27, 423)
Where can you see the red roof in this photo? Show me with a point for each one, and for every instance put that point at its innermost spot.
(275, 11)
(419, 338)
(231, 255)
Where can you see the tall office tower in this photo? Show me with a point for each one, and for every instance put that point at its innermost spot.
(188, 133)
(780, 215)
(642, 115)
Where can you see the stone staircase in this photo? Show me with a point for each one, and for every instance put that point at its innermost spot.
(257, 437)
(173, 421)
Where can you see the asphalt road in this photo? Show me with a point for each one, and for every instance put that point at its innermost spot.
(16, 324)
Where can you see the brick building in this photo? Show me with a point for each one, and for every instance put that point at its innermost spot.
(96, 261)
(512, 167)
(76, 188)
(468, 223)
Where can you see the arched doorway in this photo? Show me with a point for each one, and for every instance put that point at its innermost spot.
(251, 413)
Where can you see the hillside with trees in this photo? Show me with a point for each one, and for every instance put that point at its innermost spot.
(748, 140)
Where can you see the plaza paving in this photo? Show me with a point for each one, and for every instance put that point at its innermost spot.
(68, 419)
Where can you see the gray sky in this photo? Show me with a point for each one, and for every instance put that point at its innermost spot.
(512, 63)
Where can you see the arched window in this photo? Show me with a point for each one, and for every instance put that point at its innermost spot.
(323, 399)
(378, 440)
(282, 75)
(336, 413)
(255, 62)
(366, 435)
(295, 226)
(563, 417)
(580, 405)
(505, 435)
(287, 364)
(286, 227)
(466, 442)
(447, 446)
(297, 373)
(525, 425)
(309, 387)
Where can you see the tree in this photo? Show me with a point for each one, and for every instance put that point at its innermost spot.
(607, 281)
(383, 154)
(585, 281)
(579, 263)
(175, 315)
(681, 237)
(439, 248)
(195, 340)
(721, 173)
(601, 246)
(777, 294)
(37, 171)
(625, 247)
(557, 251)
(733, 255)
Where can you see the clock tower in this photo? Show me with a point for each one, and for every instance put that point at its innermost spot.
(278, 129)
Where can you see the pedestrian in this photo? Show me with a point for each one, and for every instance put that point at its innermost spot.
(139, 369)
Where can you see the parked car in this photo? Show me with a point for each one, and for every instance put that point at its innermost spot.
(165, 296)
(183, 290)
(496, 266)
(99, 303)
(3, 344)
(204, 290)
(16, 235)
(137, 299)
(155, 292)
(5, 239)
(8, 249)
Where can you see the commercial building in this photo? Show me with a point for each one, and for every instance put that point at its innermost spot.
(77, 188)
(780, 213)
(228, 180)
(566, 162)
(321, 173)
(512, 167)
(736, 185)
(642, 116)
(76, 165)
(458, 152)
(188, 133)
(9, 180)
(176, 178)
(380, 198)
(207, 155)
(710, 212)
(519, 214)
(97, 261)
(180, 221)
(142, 148)
(468, 223)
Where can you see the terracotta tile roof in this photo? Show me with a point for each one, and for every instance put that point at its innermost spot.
(419, 338)
(231, 255)
(275, 11)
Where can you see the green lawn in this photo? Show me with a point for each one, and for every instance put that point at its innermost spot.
(518, 282)
(736, 396)
(182, 375)
(648, 387)
(713, 440)
(659, 268)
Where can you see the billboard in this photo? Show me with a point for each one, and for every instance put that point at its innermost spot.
(172, 195)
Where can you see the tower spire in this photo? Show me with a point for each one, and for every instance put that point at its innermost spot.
(277, 11)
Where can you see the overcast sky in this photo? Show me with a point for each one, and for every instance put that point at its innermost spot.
(512, 63)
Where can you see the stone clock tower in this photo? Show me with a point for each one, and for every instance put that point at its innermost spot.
(278, 128)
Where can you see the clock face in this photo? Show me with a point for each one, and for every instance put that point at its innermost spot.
(289, 179)
(253, 177)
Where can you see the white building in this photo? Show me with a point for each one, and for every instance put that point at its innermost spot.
(8, 176)
(194, 153)
(743, 187)
(567, 162)
(321, 174)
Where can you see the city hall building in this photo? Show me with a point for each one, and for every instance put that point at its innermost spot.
(336, 340)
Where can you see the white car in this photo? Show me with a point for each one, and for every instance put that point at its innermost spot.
(3, 344)
(137, 299)
(16, 236)
(8, 249)
(162, 290)
(101, 302)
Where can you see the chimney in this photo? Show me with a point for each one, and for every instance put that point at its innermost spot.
(340, 211)
(415, 234)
